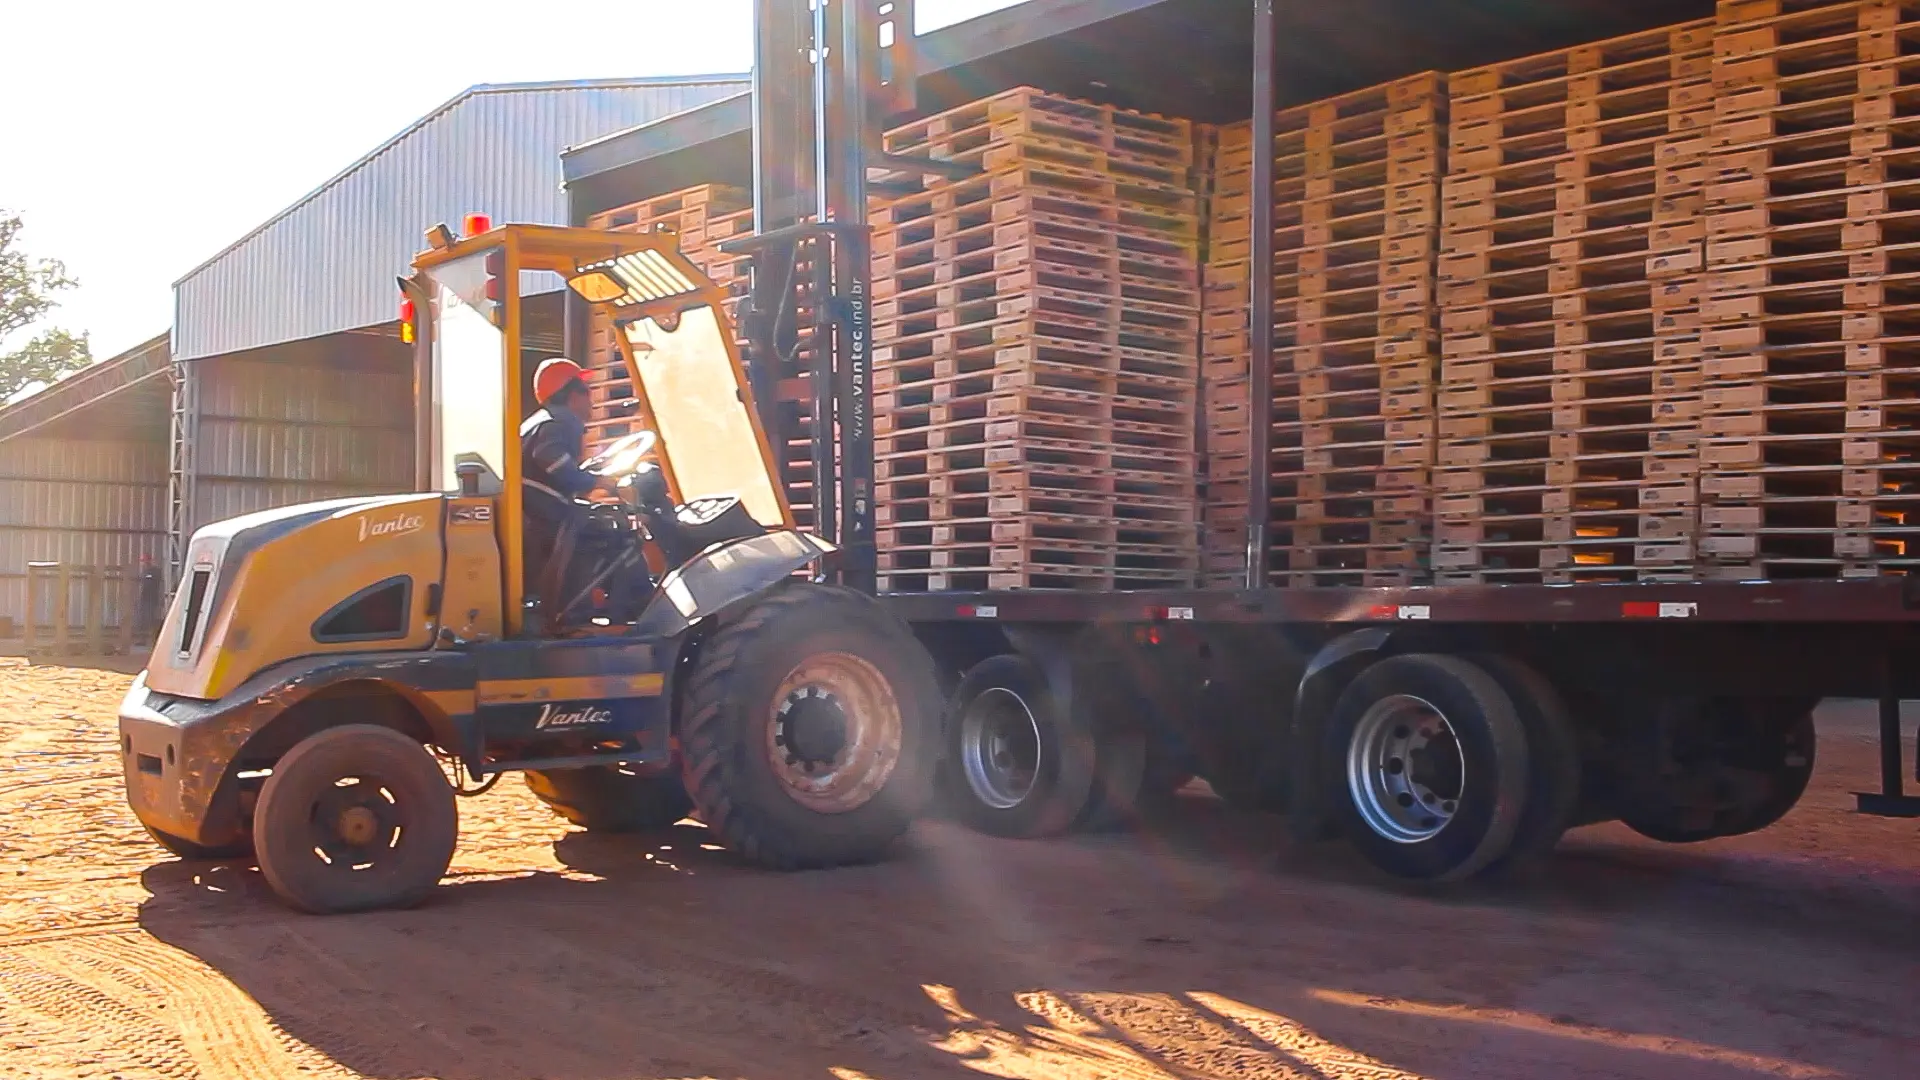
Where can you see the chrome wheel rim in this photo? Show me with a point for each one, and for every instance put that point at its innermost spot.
(834, 733)
(1000, 748)
(1405, 771)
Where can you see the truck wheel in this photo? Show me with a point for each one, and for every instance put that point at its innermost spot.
(1435, 762)
(1553, 788)
(612, 798)
(1730, 767)
(355, 818)
(1015, 764)
(808, 730)
(192, 852)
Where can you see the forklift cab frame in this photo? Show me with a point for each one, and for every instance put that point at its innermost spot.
(463, 310)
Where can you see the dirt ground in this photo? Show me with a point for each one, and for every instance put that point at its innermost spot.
(1198, 947)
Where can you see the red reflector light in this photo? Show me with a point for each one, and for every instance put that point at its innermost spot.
(965, 611)
(475, 224)
(1640, 609)
(496, 268)
(1383, 611)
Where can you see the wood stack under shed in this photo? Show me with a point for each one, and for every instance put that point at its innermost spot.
(1356, 217)
(1035, 373)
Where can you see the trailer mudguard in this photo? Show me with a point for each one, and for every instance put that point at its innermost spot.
(1326, 675)
(724, 575)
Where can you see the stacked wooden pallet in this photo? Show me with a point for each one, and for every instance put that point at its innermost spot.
(1356, 209)
(702, 218)
(1037, 330)
(1812, 450)
(1570, 291)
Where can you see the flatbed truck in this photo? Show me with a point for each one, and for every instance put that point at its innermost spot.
(1446, 731)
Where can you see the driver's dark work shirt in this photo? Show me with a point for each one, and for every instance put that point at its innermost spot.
(552, 443)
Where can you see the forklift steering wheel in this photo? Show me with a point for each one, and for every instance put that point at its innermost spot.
(624, 456)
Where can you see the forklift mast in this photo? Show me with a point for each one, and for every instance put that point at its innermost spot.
(827, 75)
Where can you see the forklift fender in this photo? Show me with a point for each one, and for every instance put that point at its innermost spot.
(1337, 662)
(724, 575)
(182, 755)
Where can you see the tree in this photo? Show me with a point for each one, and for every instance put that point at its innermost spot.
(27, 288)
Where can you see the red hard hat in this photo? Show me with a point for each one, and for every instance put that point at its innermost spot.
(552, 376)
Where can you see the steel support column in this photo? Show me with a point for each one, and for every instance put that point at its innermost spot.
(182, 436)
(1260, 303)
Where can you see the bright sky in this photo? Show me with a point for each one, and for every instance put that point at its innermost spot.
(141, 137)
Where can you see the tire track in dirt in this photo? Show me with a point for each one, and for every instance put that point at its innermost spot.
(225, 1031)
(694, 1021)
(313, 1009)
(102, 1022)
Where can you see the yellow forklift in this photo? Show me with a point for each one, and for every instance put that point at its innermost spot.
(330, 676)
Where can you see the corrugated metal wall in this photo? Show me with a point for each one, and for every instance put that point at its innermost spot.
(84, 502)
(322, 423)
(328, 264)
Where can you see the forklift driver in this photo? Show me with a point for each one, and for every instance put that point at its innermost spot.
(553, 445)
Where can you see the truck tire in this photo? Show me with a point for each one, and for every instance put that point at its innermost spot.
(1015, 765)
(355, 818)
(1734, 766)
(1553, 787)
(1120, 768)
(1433, 766)
(612, 798)
(1165, 776)
(188, 851)
(808, 728)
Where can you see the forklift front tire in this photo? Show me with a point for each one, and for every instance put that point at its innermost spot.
(808, 729)
(355, 818)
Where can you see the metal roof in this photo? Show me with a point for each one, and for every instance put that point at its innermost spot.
(125, 397)
(327, 263)
(1191, 58)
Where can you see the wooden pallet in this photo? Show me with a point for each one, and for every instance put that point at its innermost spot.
(1025, 113)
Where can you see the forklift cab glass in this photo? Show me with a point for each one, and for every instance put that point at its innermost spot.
(693, 395)
(469, 373)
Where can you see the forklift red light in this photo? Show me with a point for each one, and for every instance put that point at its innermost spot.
(475, 224)
(406, 321)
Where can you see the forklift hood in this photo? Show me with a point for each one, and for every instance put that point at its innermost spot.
(342, 575)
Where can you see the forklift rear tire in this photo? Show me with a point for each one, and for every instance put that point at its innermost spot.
(612, 798)
(355, 818)
(808, 728)
(1015, 765)
(188, 851)
(1428, 761)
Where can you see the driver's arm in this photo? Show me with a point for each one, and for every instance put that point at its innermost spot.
(559, 468)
